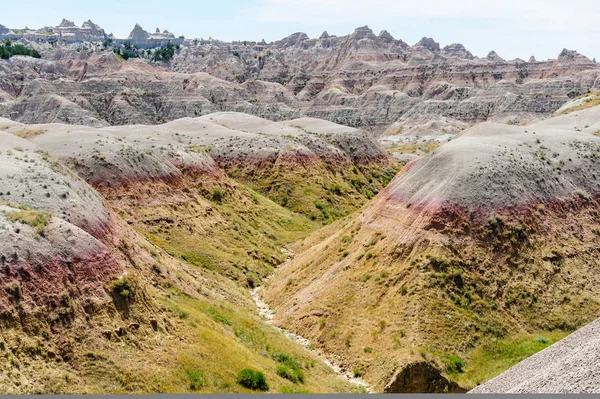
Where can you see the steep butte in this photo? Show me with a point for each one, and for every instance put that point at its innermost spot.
(478, 241)
(568, 366)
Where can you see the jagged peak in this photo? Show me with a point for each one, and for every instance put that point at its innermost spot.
(65, 23)
(157, 30)
(428, 43)
(455, 46)
(90, 24)
(324, 35)
(532, 59)
(138, 33)
(363, 32)
(493, 56)
(363, 29)
(297, 35)
(571, 55)
(292, 39)
(384, 34)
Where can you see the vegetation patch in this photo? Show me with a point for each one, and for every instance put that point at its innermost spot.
(495, 356)
(197, 379)
(289, 368)
(589, 102)
(253, 379)
(125, 287)
(29, 132)
(7, 50)
(413, 148)
(37, 219)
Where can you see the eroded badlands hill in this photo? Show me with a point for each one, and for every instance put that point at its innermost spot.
(361, 79)
(466, 257)
(140, 284)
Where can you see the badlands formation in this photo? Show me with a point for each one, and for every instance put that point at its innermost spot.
(489, 239)
(142, 198)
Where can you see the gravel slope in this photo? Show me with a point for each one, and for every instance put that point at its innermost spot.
(569, 366)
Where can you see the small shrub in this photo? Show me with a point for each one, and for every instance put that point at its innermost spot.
(289, 369)
(285, 372)
(368, 349)
(583, 195)
(541, 340)
(382, 325)
(454, 364)
(357, 373)
(197, 379)
(123, 286)
(217, 195)
(253, 379)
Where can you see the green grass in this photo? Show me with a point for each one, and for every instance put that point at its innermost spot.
(241, 238)
(253, 379)
(124, 286)
(226, 339)
(412, 148)
(322, 194)
(494, 357)
(37, 219)
(197, 379)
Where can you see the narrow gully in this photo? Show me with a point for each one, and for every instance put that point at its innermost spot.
(267, 314)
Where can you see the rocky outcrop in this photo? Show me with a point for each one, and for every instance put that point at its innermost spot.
(357, 80)
(66, 33)
(429, 44)
(457, 50)
(141, 38)
(421, 377)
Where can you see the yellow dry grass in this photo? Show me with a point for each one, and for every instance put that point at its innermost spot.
(590, 102)
(29, 132)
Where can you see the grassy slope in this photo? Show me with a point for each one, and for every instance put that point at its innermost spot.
(221, 226)
(494, 356)
(323, 192)
(590, 101)
(442, 298)
(207, 332)
(211, 342)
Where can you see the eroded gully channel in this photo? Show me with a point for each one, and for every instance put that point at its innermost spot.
(329, 359)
